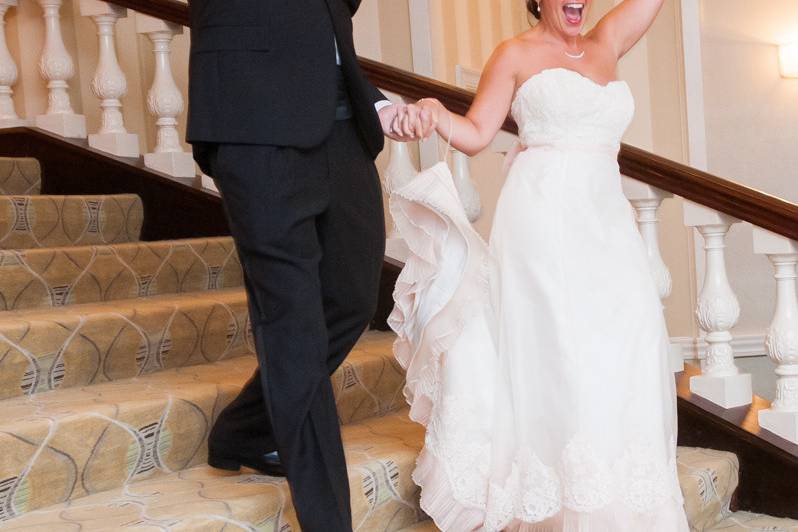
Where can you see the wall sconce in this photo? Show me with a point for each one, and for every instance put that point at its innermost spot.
(788, 60)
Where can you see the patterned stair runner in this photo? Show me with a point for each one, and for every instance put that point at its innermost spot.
(66, 444)
(54, 277)
(48, 221)
(20, 175)
(80, 345)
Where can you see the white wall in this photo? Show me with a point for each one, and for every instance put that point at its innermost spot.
(752, 126)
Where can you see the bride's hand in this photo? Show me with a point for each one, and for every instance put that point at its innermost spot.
(404, 122)
(431, 111)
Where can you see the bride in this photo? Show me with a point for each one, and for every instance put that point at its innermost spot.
(537, 362)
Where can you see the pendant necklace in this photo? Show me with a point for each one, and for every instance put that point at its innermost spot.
(580, 55)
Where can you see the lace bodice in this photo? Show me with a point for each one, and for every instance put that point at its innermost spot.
(558, 106)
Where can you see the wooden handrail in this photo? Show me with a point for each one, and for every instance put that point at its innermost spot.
(740, 201)
(169, 10)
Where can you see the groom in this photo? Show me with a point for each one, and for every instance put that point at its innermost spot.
(283, 119)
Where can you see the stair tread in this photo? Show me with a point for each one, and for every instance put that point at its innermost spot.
(381, 453)
(58, 276)
(78, 345)
(41, 221)
(68, 443)
(750, 522)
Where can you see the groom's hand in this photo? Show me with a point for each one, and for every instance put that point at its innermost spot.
(405, 122)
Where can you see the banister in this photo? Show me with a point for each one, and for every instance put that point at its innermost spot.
(169, 10)
(743, 202)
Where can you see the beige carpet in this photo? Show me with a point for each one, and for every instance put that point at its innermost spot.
(20, 175)
(48, 221)
(54, 277)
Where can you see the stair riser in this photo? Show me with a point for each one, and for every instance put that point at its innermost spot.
(46, 278)
(20, 175)
(83, 441)
(49, 221)
(79, 346)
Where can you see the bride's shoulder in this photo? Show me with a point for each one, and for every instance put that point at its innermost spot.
(520, 44)
(505, 57)
(512, 53)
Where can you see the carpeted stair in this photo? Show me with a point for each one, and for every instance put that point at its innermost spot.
(20, 175)
(33, 221)
(54, 277)
(117, 356)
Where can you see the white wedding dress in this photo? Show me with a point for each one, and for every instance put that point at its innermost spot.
(538, 362)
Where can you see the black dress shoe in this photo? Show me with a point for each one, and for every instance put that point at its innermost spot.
(267, 464)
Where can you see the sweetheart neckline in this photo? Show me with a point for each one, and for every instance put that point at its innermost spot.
(572, 71)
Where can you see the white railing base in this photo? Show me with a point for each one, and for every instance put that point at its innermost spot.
(6, 123)
(71, 126)
(175, 164)
(676, 358)
(782, 424)
(119, 144)
(207, 182)
(729, 392)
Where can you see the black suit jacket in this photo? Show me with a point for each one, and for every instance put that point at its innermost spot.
(264, 72)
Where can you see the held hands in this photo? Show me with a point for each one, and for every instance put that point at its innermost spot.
(409, 122)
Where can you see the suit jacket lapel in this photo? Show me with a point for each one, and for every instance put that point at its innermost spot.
(341, 20)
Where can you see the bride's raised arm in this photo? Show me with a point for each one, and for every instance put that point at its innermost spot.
(626, 24)
(475, 131)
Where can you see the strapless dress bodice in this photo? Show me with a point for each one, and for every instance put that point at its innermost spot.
(559, 107)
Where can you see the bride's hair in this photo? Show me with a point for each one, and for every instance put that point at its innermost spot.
(534, 7)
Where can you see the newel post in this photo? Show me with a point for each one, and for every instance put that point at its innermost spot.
(109, 83)
(717, 311)
(57, 68)
(8, 74)
(165, 101)
(782, 337)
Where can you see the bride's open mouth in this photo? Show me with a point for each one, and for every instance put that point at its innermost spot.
(573, 12)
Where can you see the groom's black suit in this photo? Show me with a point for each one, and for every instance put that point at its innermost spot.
(302, 196)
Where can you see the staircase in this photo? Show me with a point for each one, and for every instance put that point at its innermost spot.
(116, 355)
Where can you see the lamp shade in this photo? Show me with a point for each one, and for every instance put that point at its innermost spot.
(788, 60)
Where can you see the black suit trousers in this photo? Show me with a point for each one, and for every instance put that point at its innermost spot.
(309, 229)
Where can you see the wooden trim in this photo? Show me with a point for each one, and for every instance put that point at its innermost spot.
(169, 10)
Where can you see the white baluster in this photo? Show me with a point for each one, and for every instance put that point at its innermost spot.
(165, 101)
(782, 338)
(109, 83)
(469, 197)
(646, 201)
(399, 172)
(57, 68)
(717, 312)
(8, 74)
